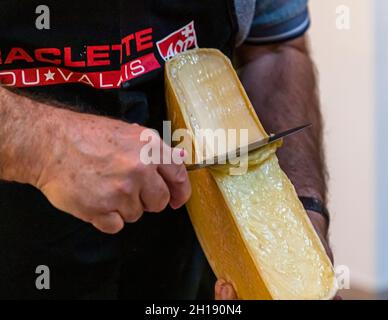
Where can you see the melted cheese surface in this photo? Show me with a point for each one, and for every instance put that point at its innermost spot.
(275, 228)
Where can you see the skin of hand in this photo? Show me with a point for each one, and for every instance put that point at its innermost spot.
(98, 176)
(224, 291)
(89, 166)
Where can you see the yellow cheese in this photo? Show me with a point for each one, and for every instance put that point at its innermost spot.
(252, 227)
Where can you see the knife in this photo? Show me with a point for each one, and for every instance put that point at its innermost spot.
(231, 155)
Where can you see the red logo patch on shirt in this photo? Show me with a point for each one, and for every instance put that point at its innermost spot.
(60, 68)
(178, 41)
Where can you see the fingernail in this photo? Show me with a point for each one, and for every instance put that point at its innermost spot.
(182, 153)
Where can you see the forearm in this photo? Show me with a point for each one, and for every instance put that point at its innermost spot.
(27, 129)
(282, 87)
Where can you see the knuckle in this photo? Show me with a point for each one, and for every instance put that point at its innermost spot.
(139, 168)
(126, 188)
(133, 212)
(94, 208)
(133, 217)
(159, 201)
(104, 205)
(161, 205)
(181, 175)
(128, 164)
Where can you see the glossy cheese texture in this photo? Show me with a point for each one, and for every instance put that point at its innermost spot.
(252, 227)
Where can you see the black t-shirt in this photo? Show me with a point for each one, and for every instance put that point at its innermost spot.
(107, 57)
(103, 57)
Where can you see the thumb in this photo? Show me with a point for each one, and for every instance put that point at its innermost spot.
(224, 291)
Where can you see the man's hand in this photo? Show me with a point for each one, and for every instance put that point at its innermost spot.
(88, 166)
(98, 176)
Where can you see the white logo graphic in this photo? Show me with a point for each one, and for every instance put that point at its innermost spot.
(343, 17)
(179, 41)
(43, 20)
(43, 280)
(208, 144)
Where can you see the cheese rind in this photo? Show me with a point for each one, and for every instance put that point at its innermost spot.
(252, 227)
(275, 230)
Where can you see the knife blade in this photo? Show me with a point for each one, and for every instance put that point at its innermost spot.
(232, 155)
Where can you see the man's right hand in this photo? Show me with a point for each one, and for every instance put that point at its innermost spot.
(94, 172)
